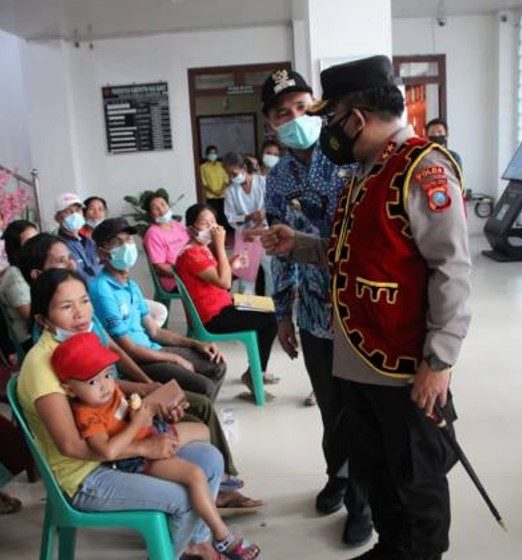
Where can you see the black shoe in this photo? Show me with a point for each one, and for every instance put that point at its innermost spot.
(331, 497)
(379, 552)
(358, 529)
(382, 552)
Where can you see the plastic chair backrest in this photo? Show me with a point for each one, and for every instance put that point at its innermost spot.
(158, 288)
(155, 280)
(20, 352)
(193, 318)
(54, 492)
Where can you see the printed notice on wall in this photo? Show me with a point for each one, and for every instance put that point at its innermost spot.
(137, 118)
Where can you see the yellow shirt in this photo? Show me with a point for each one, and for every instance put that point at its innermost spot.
(37, 379)
(214, 179)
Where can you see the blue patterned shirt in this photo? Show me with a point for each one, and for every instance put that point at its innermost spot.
(304, 196)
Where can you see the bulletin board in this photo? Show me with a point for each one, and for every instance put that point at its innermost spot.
(137, 117)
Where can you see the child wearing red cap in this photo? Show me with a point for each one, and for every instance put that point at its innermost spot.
(105, 421)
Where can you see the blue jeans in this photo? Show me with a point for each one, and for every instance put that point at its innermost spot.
(107, 489)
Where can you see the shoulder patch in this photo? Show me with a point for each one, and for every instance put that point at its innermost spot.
(434, 183)
(388, 150)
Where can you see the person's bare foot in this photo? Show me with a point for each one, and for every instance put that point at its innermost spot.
(236, 500)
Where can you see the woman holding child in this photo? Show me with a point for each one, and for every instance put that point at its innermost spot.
(60, 304)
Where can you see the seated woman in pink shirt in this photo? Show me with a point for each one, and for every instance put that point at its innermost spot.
(163, 240)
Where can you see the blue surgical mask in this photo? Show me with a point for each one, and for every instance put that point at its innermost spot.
(61, 334)
(239, 179)
(212, 157)
(93, 223)
(165, 219)
(124, 256)
(301, 133)
(73, 222)
(270, 160)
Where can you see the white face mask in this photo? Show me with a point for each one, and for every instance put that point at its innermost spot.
(93, 223)
(270, 160)
(204, 237)
(165, 219)
(238, 179)
(61, 334)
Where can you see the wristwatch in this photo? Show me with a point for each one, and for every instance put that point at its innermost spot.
(435, 363)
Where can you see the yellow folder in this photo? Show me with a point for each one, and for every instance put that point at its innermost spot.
(248, 302)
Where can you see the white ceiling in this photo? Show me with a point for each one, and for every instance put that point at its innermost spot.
(40, 19)
(43, 19)
(422, 8)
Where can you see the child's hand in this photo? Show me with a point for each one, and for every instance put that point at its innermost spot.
(160, 446)
(142, 417)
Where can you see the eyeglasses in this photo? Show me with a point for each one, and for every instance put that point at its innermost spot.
(329, 118)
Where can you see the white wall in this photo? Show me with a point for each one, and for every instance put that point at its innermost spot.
(14, 140)
(121, 61)
(469, 44)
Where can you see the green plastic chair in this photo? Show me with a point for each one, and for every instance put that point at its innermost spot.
(160, 295)
(196, 329)
(62, 519)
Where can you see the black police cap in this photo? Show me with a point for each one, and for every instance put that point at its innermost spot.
(110, 228)
(280, 82)
(350, 77)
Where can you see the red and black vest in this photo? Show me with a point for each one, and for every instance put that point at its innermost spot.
(379, 278)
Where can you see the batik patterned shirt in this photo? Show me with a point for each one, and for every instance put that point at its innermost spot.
(304, 196)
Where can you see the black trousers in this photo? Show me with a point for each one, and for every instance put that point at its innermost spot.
(205, 380)
(318, 358)
(402, 458)
(231, 319)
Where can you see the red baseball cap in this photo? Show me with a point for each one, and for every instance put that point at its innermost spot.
(81, 357)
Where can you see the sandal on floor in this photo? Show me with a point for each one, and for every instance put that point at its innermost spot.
(8, 504)
(250, 397)
(310, 400)
(268, 379)
(236, 502)
(186, 556)
(242, 550)
(229, 483)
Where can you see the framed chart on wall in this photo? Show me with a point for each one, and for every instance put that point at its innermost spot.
(137, 117)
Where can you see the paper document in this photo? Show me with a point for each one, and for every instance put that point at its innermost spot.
(248, 302)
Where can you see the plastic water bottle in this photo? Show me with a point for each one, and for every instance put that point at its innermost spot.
(227, 416)
(229, 424)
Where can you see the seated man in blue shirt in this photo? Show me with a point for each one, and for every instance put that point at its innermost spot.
(69, 215)
(119, 305)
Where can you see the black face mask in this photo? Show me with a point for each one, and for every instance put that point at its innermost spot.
(439, 139)
(336, 146)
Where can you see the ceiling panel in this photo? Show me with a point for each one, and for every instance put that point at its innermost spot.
(41, 19)
(44, 19)
(430, 8)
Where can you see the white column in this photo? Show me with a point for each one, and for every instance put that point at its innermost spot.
(50, 124)
(341, 30)
(507, 31)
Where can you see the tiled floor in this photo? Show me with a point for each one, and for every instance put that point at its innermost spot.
(278, 449)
